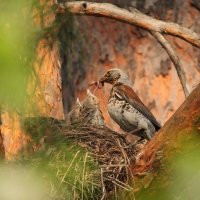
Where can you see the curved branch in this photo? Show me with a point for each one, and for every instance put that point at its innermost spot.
(175, 59)
(133, 17)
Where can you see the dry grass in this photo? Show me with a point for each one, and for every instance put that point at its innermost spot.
(110, 152)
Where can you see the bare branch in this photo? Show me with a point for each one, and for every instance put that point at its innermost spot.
(133, 17)
(175, 59)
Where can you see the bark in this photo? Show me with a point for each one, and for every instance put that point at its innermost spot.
(175, 59)
(44, 90)
(13, 137)
(134, 18)
(173, 56)
(2, 150)
(181, 130)
(48, 93)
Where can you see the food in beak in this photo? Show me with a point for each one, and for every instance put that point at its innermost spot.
(99, 84)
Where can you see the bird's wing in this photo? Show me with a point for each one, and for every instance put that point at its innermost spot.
(130, 97)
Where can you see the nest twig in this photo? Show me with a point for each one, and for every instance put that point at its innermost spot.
(111, 150)
(113, 153)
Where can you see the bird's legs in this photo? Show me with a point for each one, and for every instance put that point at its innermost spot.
(136, 135)
(133, 137)
(134, 132)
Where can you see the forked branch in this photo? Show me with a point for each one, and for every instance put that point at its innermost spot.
(135, 18)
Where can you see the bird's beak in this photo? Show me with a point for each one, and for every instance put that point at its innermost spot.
(106, 79)
(78, 102)
(89, 92)
(103, 80)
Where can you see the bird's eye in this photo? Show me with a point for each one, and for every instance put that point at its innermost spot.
(108, 73)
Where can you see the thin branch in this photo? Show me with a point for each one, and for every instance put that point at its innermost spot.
(133, 17)
(175, 59)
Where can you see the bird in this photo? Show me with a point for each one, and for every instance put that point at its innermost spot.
(86, 112)
(73, 116)
(126, 108)
(90, 111)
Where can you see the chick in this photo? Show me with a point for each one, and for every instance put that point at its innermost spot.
(74, 115)
(90, 111)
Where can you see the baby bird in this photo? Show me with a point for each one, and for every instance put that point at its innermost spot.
(90, 111)
(86, 113)
(74, 115)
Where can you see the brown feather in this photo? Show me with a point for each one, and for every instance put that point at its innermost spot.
(131, 97)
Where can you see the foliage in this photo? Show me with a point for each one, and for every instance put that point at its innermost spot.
(60, 167)
(178, 177)
(17, 50)
(68, 172)
(65, 171)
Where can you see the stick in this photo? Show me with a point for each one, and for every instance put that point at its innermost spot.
(134, 18)
(175, 59)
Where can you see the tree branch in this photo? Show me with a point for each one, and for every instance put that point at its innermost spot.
(133, 17)
(175, 59)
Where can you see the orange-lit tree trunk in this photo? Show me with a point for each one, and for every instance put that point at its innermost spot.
(179, 135)
(48, 99)
(2, 150)
(44, 88)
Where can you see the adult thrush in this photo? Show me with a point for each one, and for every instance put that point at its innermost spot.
(126, 108)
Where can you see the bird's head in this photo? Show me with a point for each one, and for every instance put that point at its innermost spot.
(78, 103)
(91, 100)
(77, 107)
(115, 75)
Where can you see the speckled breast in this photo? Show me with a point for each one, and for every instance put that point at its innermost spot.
(126, 116)
(116, 109)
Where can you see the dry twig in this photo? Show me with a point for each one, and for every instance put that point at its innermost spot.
(175, 59)
(112, 152)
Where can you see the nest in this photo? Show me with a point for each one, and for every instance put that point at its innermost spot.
(113, 153)
(110, 149)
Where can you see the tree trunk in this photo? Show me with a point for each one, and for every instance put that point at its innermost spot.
(2, 150)
(48, 93)
(156, 167)
(44, 89)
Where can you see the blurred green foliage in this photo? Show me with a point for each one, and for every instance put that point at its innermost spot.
(178, 177)
(63, 172)
(68, 171)
(59, 169)
(17, 50)
(22, 25)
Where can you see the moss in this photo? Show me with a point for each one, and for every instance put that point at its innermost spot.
(68, 171)
(196, 124)
(178, 174)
